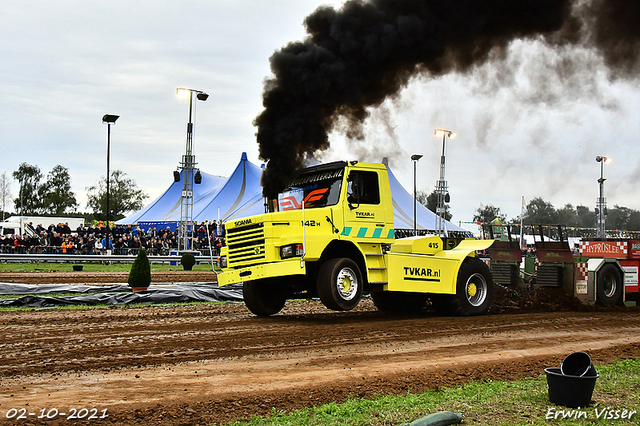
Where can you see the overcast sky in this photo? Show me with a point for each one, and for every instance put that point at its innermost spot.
(526, 126)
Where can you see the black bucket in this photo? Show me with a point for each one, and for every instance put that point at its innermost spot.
(570, 391)
(578, 364)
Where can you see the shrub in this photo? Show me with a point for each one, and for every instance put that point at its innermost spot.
(140, 275)
(187, 261)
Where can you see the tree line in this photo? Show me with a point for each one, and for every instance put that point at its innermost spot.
(51, 195)
(541, 212)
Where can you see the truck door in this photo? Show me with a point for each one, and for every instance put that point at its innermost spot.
(365, 216)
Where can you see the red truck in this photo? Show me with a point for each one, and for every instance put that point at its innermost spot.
(607, 271)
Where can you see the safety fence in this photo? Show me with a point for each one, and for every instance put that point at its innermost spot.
(173, 259)
(125, 251)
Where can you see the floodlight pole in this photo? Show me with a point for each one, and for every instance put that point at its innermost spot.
(185, 228)
(415, 158)
(602, 202)
(109, 119)
(441, 186)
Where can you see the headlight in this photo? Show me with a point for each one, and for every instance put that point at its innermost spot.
(292, 250)
(222, 261)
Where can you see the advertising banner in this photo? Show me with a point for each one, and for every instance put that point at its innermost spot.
(614, 249)
(634, 249)
(630, 275)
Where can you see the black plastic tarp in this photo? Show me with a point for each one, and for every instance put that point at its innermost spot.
(115, 295)
(14, 288)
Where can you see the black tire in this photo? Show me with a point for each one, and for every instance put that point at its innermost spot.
(475, 290)
(610, 286)
(396, 301)
(339, 284)
(264, 297)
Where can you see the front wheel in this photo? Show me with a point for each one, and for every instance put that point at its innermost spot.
(339, 284)
(264, 297)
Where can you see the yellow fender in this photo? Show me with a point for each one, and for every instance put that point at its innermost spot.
(466, 248)
(419, 264)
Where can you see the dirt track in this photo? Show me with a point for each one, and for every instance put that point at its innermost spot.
(215, 363)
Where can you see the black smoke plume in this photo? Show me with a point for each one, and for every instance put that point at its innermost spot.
(356, 57)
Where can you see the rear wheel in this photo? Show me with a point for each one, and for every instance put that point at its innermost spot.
(395, 301)
(339, 284)
(264, 297)
(474, 291)
(610, 286)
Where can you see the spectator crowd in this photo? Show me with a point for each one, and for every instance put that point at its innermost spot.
(123, 239)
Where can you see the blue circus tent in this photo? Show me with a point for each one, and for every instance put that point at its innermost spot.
(240, 195)
(215, 198)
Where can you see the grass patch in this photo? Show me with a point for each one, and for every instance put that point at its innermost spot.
(92, 267)
(523, 402)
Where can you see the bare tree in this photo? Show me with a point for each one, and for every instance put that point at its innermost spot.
(5, 192)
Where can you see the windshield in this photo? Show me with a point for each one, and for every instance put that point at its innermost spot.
(317, 190)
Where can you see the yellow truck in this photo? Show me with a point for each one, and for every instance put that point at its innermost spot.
(331, 235)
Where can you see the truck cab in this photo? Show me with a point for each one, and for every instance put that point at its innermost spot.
(330, 235)
(330, 209)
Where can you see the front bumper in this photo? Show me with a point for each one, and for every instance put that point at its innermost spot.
(266, 270)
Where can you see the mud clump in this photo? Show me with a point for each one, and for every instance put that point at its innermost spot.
(541, 299)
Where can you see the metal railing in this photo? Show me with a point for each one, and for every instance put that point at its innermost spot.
(151, 251)
(96, 258)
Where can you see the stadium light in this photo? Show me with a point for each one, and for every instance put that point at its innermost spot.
(109, 119)
(441, 186)
(415, 158)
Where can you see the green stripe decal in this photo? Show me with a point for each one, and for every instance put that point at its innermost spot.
(362, 232)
